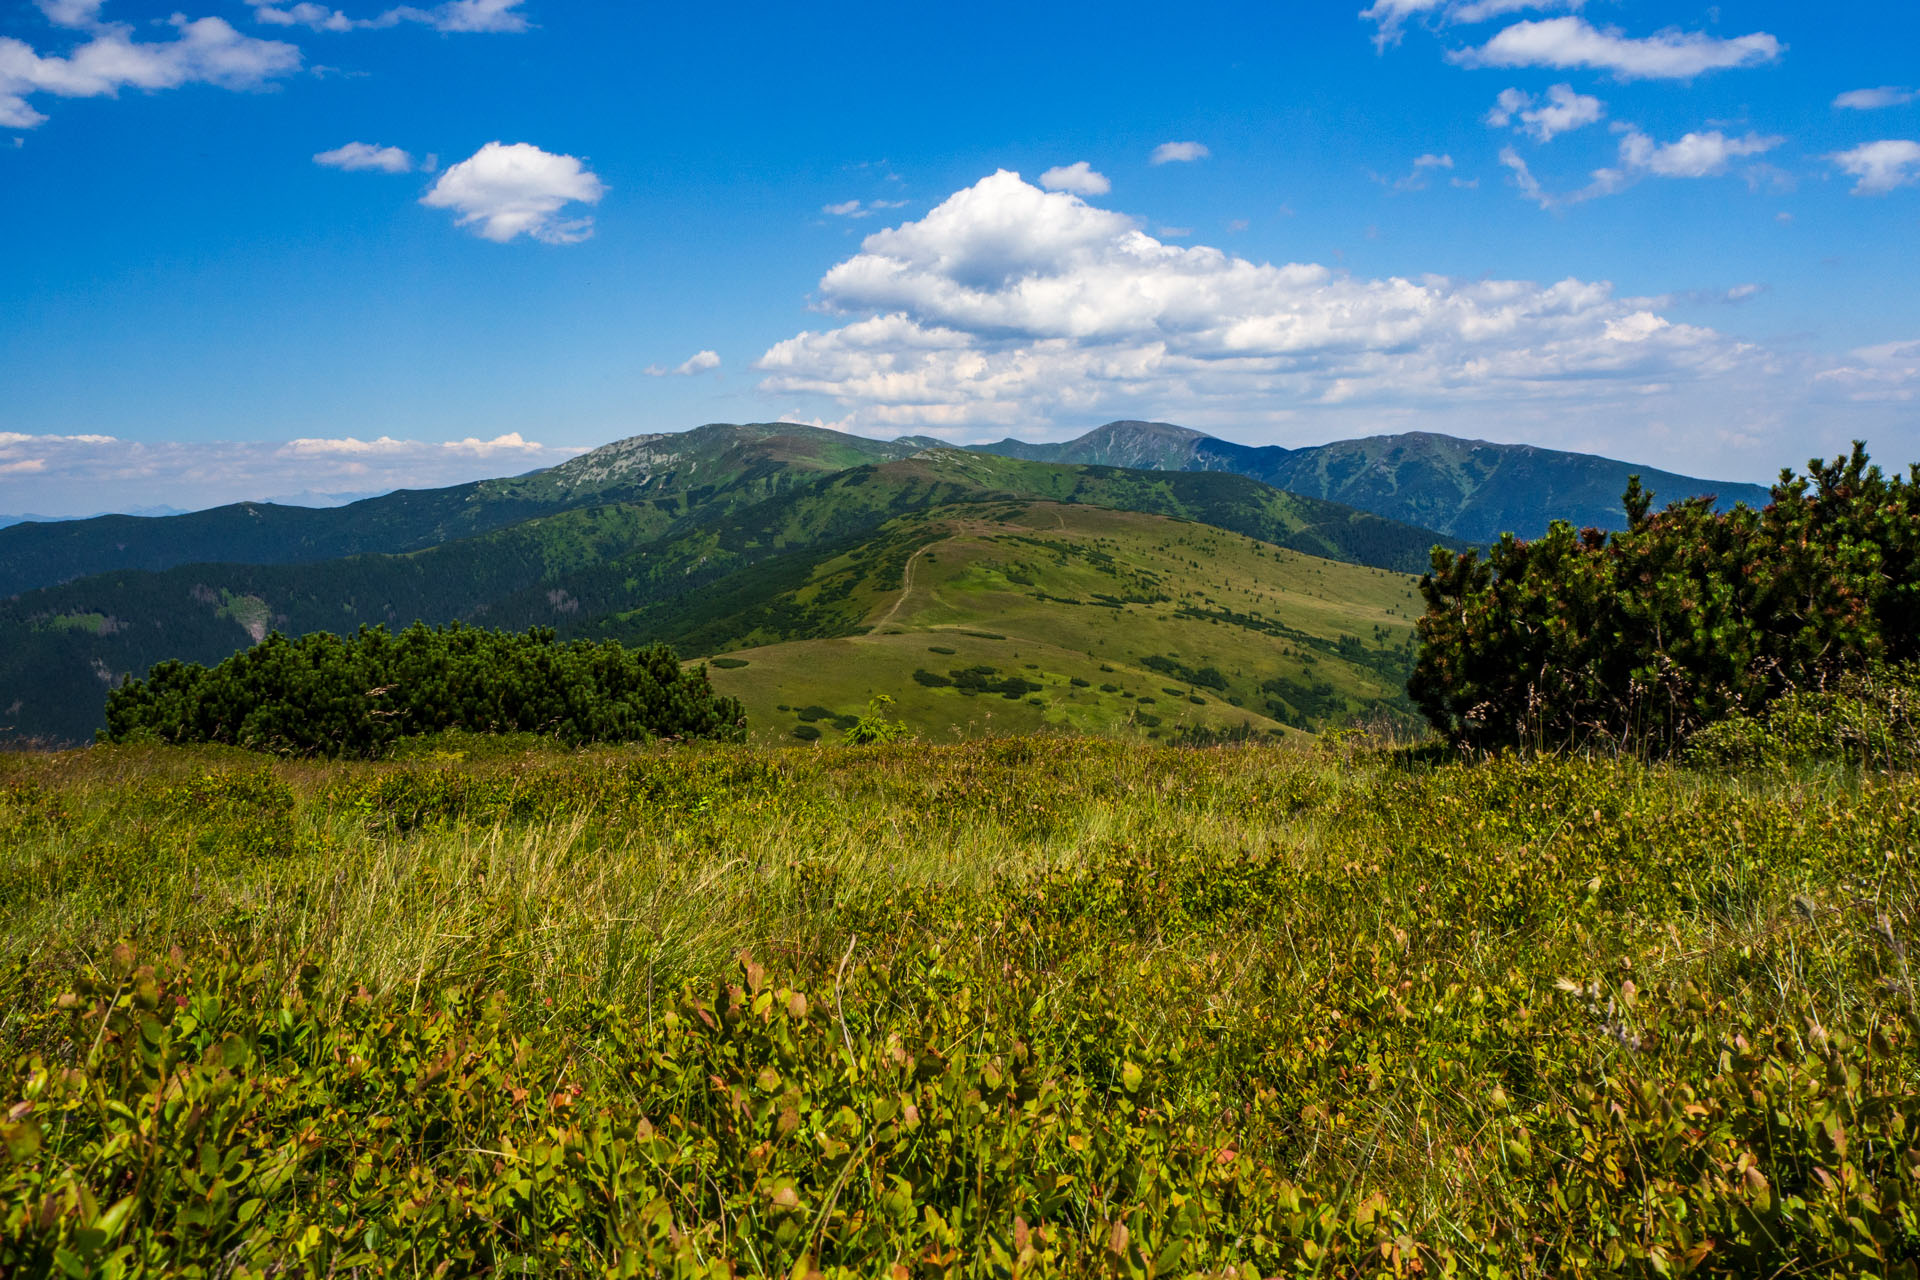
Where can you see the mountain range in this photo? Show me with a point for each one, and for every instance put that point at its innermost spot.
(814, 566)
(1469, 489)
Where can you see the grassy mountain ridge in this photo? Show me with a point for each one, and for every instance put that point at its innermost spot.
(1027, 615)
(615, 569)
(716, 464)
(1468, 489)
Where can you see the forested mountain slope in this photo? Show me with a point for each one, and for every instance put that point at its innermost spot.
(716, 464)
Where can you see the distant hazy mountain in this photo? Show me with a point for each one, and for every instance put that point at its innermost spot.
(1470, 489)
(304, 498)
(132, 511)
(671, 472)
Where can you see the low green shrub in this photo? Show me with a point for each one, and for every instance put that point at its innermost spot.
(1646, 636)
(359, 695)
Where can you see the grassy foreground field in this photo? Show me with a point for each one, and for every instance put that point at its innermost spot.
(1022, 1006)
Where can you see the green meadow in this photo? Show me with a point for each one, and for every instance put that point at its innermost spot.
(1046, 616)
(1013, 1006)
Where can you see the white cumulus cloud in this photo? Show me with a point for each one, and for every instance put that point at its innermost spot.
(1881, 166)
(506, 190)
(1562, 112)
(366, 155)
(202, 51)
(1179, 153)
(1081, 178)
(1007, 304)
(1567, 43)
(1874, 99)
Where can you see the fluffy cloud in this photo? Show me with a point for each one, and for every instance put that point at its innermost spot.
(203, 51)
(1009, 305)
(456, 15)
(366, 155)
(1881, 166)
(513, 189)
(1566, 43)
(1562, 112)
(1874, 99)
(72, 13)
(1695, 155)
(1179, 153)
(1081, 178)
(66, 474)
(698, 362)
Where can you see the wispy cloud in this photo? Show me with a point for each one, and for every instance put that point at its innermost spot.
(1875, 99)
(698, 362)
(1568, 43)
(70, 474)
(1424, 167)
(1889, 372)
(1703, 154)
(366, 155)
(456, 15)
(1179, 153)
(1392, 16)
(860, 209)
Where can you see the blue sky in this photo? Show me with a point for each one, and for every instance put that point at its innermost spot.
(256, 250)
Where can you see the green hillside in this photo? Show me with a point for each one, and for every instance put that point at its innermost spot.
(996, 618)
(710, 466)
(1469, 489)
(634, 571)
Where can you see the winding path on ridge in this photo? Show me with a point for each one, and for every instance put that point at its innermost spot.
(906, 589)
(906, 582)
